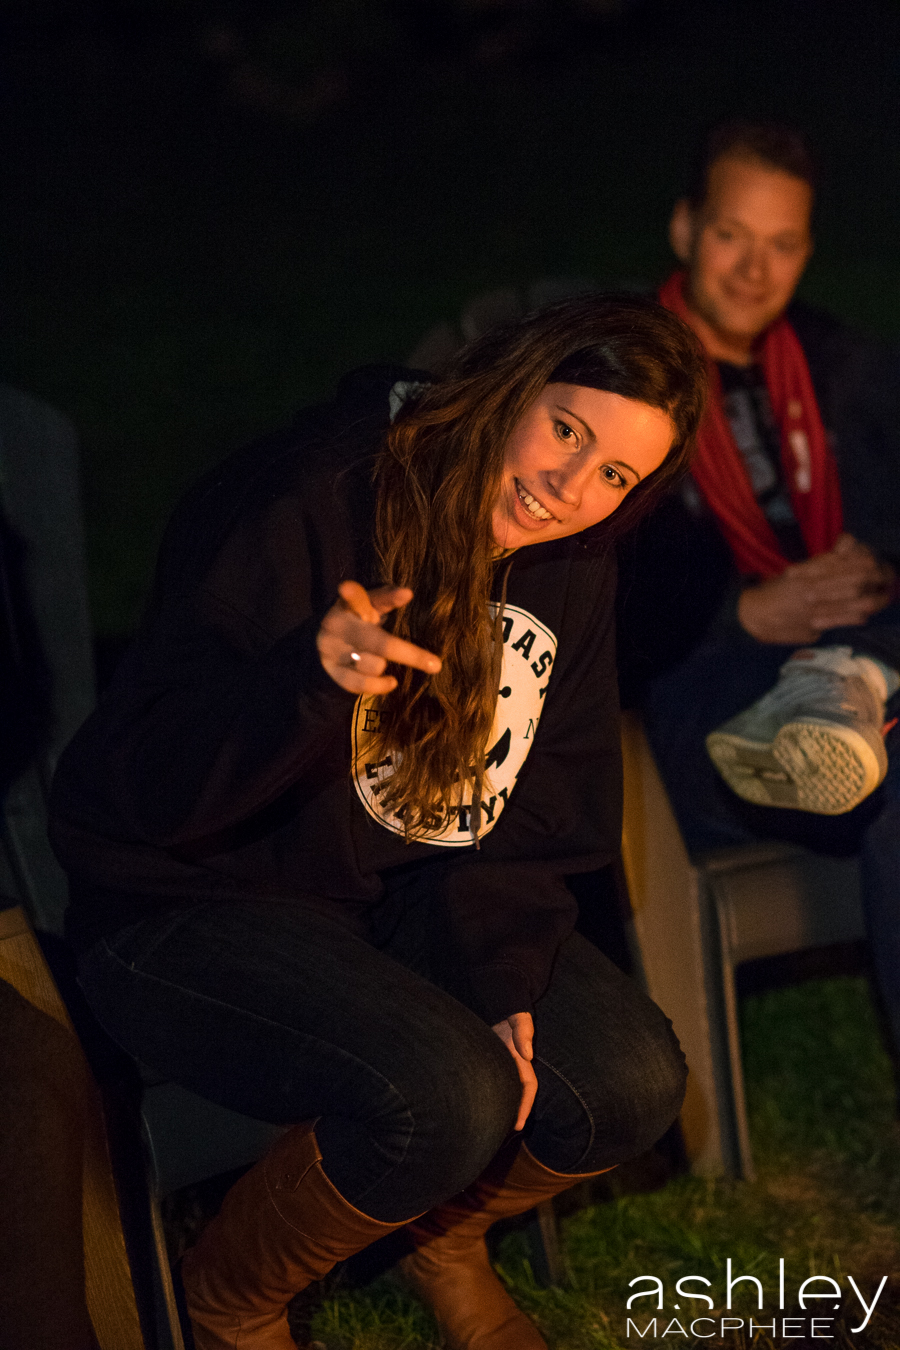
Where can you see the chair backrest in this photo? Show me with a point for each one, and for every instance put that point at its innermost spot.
(773, 898)
(663, 892)
(694, 920)
(39, 491)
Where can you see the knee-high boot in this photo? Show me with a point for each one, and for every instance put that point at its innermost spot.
(280, 1227)
(449, 1267)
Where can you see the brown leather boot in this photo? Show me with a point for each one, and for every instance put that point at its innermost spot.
(280, 1227)
(450, 1269)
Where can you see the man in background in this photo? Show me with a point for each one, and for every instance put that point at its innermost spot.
(759, 627)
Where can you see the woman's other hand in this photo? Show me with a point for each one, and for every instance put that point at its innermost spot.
(517, 1034)
(353, 647)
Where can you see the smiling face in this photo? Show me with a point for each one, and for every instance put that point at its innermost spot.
(745, 248)
(571, 460)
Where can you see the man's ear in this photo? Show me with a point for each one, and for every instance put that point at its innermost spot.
(681, 230)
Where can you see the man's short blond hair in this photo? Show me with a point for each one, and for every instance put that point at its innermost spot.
(769, 143)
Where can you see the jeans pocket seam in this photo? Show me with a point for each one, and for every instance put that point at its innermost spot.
(154, 943)
(584, 1106)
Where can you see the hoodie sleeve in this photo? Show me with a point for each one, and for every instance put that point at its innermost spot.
(222, 702)
(507, 905)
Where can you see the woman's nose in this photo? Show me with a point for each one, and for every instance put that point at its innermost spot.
(567, 483)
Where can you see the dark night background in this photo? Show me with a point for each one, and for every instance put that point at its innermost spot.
(213, 208)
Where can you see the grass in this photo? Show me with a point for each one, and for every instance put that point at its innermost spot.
(827, 1148)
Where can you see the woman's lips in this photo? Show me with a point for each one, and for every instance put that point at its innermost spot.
(534, 509)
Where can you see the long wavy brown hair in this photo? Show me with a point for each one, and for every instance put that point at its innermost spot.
(437, 478)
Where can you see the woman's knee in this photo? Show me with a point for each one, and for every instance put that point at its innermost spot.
(458, 1109)
(645, 1093)
(473, 1098)
(611, 1102)
(615, 1076)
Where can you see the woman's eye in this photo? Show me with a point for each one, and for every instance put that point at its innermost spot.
(565, 432)
(612, 476)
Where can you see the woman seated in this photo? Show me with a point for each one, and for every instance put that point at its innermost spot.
(318, 829)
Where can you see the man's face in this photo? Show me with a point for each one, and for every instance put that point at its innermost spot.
(745, 247)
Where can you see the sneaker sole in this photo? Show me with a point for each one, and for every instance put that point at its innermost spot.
(819, 767)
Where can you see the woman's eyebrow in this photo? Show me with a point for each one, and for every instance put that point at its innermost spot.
(621, 463)
(575, 418)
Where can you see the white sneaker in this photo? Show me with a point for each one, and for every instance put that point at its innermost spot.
(814, 742)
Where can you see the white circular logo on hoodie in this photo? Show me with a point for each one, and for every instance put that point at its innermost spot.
(529, 650)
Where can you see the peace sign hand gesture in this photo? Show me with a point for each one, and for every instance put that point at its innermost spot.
(353, 647)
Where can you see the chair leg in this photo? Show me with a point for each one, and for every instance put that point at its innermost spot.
(543, 1244)
(105, 1280)
(168, 1324)
(741, 1146)
(42, 1114)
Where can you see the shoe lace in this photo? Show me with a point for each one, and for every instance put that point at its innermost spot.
(817, 691)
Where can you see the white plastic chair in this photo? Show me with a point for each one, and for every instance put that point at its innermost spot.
(694, 921)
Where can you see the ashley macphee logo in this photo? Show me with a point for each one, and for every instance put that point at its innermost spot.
(685, 1318)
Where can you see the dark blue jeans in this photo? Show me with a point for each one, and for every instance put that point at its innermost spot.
(286, 1011)
(718, 679)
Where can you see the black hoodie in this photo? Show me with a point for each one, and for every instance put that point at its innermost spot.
(218, 763)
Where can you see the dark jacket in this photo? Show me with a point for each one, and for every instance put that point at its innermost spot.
(218, 764)
(678, 581)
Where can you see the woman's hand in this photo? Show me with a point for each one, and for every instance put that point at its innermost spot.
(517, 1033)
(353, 647)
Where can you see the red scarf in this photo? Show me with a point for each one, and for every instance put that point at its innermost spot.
(809, 467)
